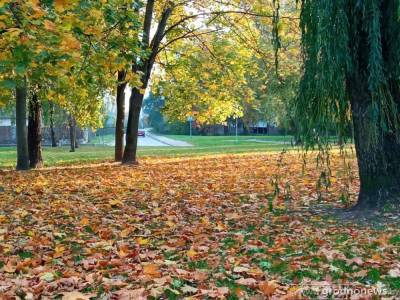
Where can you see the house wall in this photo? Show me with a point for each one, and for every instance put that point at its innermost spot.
(7, 135)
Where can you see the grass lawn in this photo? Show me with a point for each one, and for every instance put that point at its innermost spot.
(202, 145)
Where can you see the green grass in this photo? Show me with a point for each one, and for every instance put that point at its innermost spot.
(202, 145)
(102, 139)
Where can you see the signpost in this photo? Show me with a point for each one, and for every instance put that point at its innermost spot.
(190, 119)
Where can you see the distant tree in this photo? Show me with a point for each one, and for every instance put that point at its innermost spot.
(52, 131)
(152, 107)
(351, 73)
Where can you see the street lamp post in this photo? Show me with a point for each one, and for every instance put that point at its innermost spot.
(190, 119)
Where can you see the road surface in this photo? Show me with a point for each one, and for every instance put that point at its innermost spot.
(152, 140)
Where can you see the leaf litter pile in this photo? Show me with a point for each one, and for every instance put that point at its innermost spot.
(224, 227)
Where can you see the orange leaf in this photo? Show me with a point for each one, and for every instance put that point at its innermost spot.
(152, 270)
(268, 287)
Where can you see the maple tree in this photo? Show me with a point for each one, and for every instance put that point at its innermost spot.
(231, 67)
(63, 52)
(205, 80)
(172, 23)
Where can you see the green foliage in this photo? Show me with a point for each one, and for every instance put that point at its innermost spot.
(240, 69)
(68, 51)
(332, 32)
(205, 81)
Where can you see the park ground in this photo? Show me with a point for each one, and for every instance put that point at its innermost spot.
(201, 145)
(216, 226)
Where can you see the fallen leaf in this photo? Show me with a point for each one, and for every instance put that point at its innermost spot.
(152, 270)
(268, 287)
(247, 281)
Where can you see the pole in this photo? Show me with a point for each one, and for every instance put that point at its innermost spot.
(190, 129)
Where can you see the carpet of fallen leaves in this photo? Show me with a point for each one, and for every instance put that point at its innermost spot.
(226, 227)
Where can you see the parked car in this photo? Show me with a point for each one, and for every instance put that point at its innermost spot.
(141, 133)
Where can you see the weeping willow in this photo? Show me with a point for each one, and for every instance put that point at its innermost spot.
(342, 40)
(351, 75)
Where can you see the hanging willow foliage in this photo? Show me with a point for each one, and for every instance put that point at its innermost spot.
(333, 35)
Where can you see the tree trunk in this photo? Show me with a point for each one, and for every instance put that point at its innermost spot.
(22, 138)
(35, 132)
(120, 120)
(378, 161)
(72, 133)
(135, 101)
(76, 135)
(52, 133)
(377, 148)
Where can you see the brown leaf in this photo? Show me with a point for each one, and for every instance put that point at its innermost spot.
(268, 287)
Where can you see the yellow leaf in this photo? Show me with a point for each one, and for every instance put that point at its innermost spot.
(124, 233)
(9, 268)
(4, 2)
(116, 203)
(58, 251)
(192, 253)
(50, 26)
(60, 5)
(142, 241)
(69, 42)
(171, 224)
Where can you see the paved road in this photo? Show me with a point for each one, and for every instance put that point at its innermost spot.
(152, 140)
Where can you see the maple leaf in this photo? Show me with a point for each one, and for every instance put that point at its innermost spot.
(152, 270)
(76, 296)
(60, 5)
(142, 241)
(394, 272)
(268, 288)
(247, 281)
(49, 25)
(191, 253)
(9, 268)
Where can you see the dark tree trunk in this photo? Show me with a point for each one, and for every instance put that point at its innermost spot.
(52, 133)
(76, 135)
(378, 149)
(22, 138)
(120, 120)
(35, 132)
(378, 162)
(72, 133)
(135, 103)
